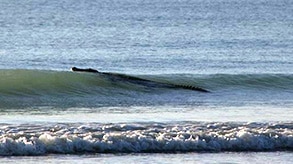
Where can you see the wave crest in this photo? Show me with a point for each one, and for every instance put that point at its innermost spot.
(33, 88)
(40, 82)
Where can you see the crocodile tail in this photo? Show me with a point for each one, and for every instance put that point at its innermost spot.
(192, 88)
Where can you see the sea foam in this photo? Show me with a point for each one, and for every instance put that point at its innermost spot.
(145, 138)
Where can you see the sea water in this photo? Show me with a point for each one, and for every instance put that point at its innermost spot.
(239, 50)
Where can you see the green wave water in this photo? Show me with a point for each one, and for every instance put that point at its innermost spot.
(38, 82)
(25, 88)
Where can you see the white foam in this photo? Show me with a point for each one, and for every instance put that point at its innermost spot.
(120, 138)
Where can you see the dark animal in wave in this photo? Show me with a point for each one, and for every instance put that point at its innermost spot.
(140, 81)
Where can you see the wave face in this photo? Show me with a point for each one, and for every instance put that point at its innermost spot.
(26, 88)
(38, 82)
(144, 138)
(277, 82)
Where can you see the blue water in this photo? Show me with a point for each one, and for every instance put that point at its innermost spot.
(239, 50)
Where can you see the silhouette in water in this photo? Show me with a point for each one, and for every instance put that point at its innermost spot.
(138, 80)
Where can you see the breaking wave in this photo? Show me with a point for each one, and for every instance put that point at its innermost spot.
(144, 138)
(33, 88)
(42, 82)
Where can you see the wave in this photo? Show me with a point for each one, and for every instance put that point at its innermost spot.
(42, 82)
(31, 88)
(279, 82)
(144, 138)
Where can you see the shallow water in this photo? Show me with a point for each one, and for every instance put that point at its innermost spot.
(265, 157)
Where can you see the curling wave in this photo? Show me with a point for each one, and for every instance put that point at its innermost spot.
(42, 82)
(33, 88)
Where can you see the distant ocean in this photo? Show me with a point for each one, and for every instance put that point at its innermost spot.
(241, 51)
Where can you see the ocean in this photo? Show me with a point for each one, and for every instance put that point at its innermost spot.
(240, 51)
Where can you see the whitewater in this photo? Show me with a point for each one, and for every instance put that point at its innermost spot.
(240, 51)
(144, 138)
